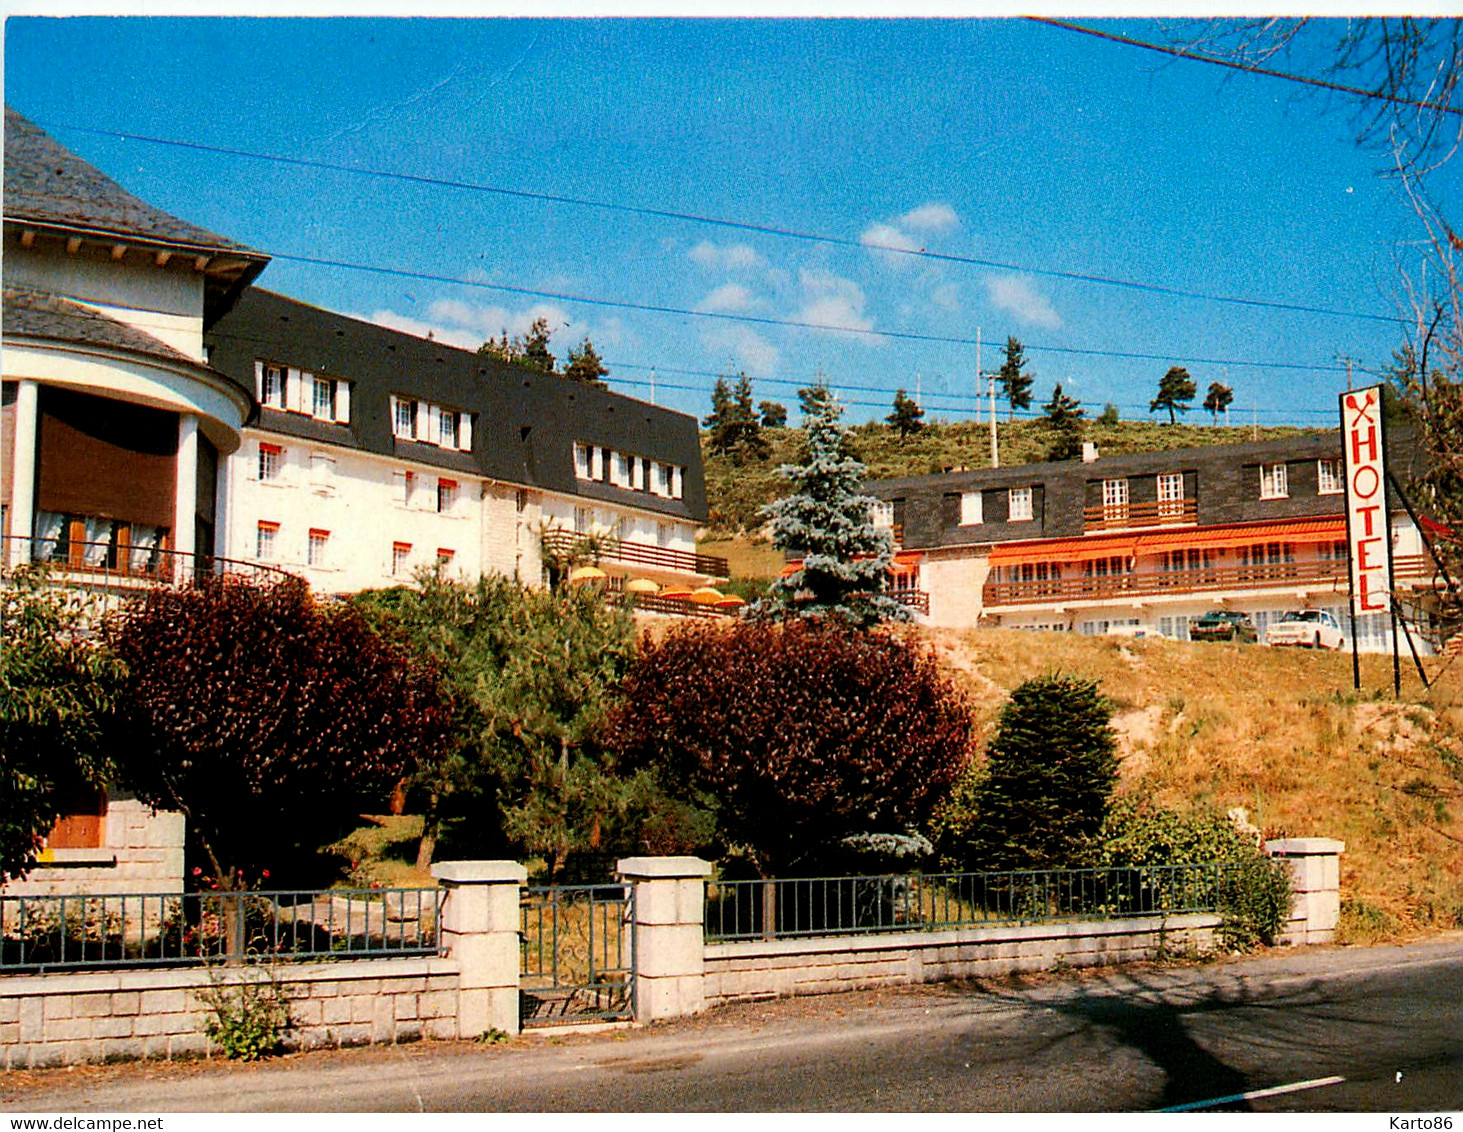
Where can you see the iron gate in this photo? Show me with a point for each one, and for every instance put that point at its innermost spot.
(576, 946)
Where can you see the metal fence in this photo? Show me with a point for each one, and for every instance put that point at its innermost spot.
(576, 950)
(822, 906)
(39, 933)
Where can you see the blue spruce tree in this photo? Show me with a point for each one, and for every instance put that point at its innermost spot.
(826, 522)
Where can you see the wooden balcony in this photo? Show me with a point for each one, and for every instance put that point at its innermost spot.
(605, 549)
(917, 600)
(1412, 572)
(1129, 516)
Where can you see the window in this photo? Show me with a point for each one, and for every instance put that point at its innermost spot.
(1329, 477)
(581, 461)
(583, 520)
(272, 386)
(1272, 482)
(1171, 501)
(401, 485)
(448, 429)
(444, 559)
(323, 400)
(446, 496)
(881, 514)
(970, 509)
(620, 470)
(271, 459)
(266, 541)
(400, 558)
(1020, 504)
(1114, 499)
(663, 479)
(403, 418)
(665, 533)
(316, 553)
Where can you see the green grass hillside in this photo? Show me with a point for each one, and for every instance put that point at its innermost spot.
(735, 490)
(1280, 733)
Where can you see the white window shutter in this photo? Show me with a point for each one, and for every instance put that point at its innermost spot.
(259, 378)
(419, 420)
(464, 432)
(434, 425)
(342, 402)
(392, 410)
(293, 381)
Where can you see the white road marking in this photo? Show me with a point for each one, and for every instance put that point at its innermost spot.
(1254, 1094)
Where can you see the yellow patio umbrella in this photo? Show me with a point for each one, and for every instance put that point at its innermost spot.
(586, 574)
(675, 593)
(706, 595)
(731, 601)
(641, 586)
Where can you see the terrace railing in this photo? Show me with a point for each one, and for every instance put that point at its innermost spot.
(1126, 516)
(117, 566)
(568, 543)
(41, 933)
(826, 906)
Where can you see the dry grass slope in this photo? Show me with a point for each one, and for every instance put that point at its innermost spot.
(1281, 733)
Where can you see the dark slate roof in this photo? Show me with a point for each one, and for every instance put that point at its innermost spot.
(526, 422)
(38, 314)
(1223, 479)
(47, 184)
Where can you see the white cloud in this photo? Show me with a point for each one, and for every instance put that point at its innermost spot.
(491, 321)
(887, 236)
(437, 332)
(832, 301)
(932, 217)
(727, 257)
(1015, 295)
(730, 298)
(750, 351)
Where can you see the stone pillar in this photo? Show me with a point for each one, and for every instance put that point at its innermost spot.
(669, 938)
(1315, 872)
(185, 504)
(480, 930)
(23, 473)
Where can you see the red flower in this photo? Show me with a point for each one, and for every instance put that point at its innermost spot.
(264, 875)
(197, 871)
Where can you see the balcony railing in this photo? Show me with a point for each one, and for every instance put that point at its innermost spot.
(117, 567)
(1123, 516)
(918, 600)
(1411, 570)
(570, 544)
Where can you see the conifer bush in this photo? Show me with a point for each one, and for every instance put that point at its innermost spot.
(1049, 777)
(796, 735)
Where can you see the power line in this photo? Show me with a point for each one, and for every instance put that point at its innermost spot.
(739, 225)
(762, 320)
(1249, 68)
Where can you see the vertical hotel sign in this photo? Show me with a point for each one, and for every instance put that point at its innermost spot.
(1368, 526)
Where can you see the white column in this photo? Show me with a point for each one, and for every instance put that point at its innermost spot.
(479, 931)
(223, 532)
(185, 500)
(23, 472)
(669, 950)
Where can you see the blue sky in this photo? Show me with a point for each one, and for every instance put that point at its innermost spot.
(999, 140)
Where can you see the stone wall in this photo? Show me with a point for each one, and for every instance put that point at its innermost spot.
(142, 852)
(757, 969)
(62, 1019)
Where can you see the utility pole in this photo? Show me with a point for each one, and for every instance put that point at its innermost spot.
(1347, 360)
(995, 451)
(917, 400)
(652, 387)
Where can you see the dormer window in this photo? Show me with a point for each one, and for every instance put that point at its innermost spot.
(426, 423)
(271, 392)
(1273, 482)
(1019, 500)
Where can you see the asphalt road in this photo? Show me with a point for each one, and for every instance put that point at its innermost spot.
(1387, 1020)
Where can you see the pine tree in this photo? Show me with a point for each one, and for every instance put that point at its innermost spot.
(535, 347)
(720, 417)
(1218, 400)
(1015, 384)
(1050, 773)
(1175, 392)
(1064, 418)
(748, 443)
(827, 523)
(773, 414)
(585, 365)
(907, 417)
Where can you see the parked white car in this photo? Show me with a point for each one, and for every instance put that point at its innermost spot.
(1311, 628)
